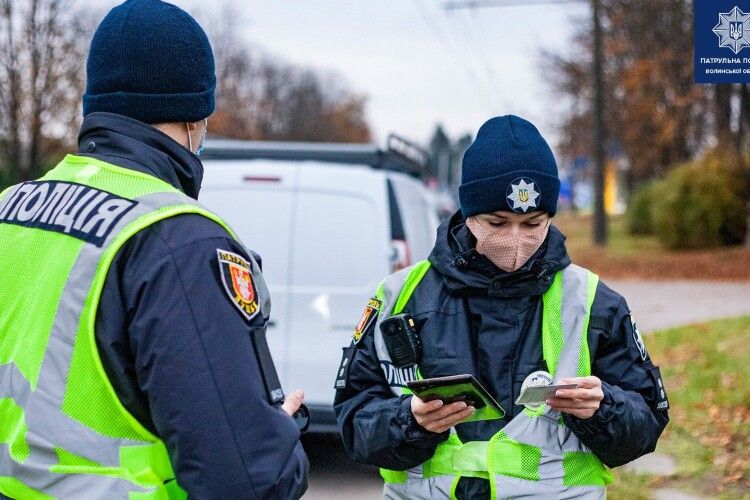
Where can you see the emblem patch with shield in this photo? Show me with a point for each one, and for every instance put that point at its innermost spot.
(735, 30)
(638, 338)
(367, 319)
(237, 278)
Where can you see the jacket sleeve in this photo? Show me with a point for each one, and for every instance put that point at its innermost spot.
(195, 364)
(633, 413)
(376, 426)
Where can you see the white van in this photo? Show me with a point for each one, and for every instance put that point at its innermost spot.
(329, 221)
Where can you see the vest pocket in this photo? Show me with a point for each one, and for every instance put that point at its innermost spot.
(509, 457)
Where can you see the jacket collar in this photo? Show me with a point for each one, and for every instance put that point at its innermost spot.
(132, 144)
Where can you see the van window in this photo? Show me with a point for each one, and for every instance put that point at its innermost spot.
(418, 217)
(336, 241)
(261, 218)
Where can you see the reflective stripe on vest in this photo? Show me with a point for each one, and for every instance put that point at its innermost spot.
(534, 454)
(63, 431)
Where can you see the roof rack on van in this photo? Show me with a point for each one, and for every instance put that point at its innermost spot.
(408, 150)
(400, 154)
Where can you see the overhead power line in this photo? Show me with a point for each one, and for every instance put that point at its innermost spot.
(451, 47)
(600, 217)
(476, 52)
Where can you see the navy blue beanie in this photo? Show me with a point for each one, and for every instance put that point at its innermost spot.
(151, 61)
(509, 166)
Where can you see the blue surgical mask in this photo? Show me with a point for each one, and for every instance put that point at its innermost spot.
(202, 144)
(203, 138)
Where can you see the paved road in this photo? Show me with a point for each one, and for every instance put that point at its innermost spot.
(655, 305)
(333, 476)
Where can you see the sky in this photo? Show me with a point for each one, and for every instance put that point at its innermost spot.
(418, 63)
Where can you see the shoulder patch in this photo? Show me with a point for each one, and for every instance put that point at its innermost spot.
(237, 278)
(661, 402)
(346, 361)
(639, 340)
(367, 319)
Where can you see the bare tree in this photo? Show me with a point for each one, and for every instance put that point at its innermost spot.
(262, 97)
(42, 57)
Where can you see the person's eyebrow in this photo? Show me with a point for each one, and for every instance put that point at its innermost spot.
(499, 215)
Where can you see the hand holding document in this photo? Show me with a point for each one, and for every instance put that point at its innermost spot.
(581, 402)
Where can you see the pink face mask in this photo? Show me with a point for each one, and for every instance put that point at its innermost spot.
(506, 250)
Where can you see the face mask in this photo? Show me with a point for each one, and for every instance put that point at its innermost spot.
(507, 251)
(202, 144)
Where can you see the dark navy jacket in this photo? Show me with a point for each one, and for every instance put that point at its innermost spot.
(176, 349)
(475, 318)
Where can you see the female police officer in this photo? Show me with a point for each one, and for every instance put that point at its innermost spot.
(498, 298)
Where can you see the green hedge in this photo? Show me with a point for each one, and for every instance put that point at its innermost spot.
(639, 214)
(701, 204)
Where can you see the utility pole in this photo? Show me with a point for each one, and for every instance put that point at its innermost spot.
(600, 216)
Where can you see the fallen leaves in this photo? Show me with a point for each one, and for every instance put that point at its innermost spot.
(638, 257)
(707, 376)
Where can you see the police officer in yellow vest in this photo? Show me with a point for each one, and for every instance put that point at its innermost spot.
(499, 299)
(127, 368)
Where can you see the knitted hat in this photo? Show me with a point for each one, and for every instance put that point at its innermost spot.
(508, 167)
(151, 61)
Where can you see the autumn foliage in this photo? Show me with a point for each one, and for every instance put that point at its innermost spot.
(42, 77)
(654, 113)
(261, 97)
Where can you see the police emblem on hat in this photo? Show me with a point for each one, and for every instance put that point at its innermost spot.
(731, 30)
(237, 278)
(523, 194)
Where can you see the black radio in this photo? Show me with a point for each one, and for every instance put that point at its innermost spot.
(401, 340)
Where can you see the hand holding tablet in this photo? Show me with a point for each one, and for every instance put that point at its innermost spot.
(455, 389)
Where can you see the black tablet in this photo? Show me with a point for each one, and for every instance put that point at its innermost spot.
(459, 388)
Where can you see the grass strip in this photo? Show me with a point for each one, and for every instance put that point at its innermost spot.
(706, 370)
